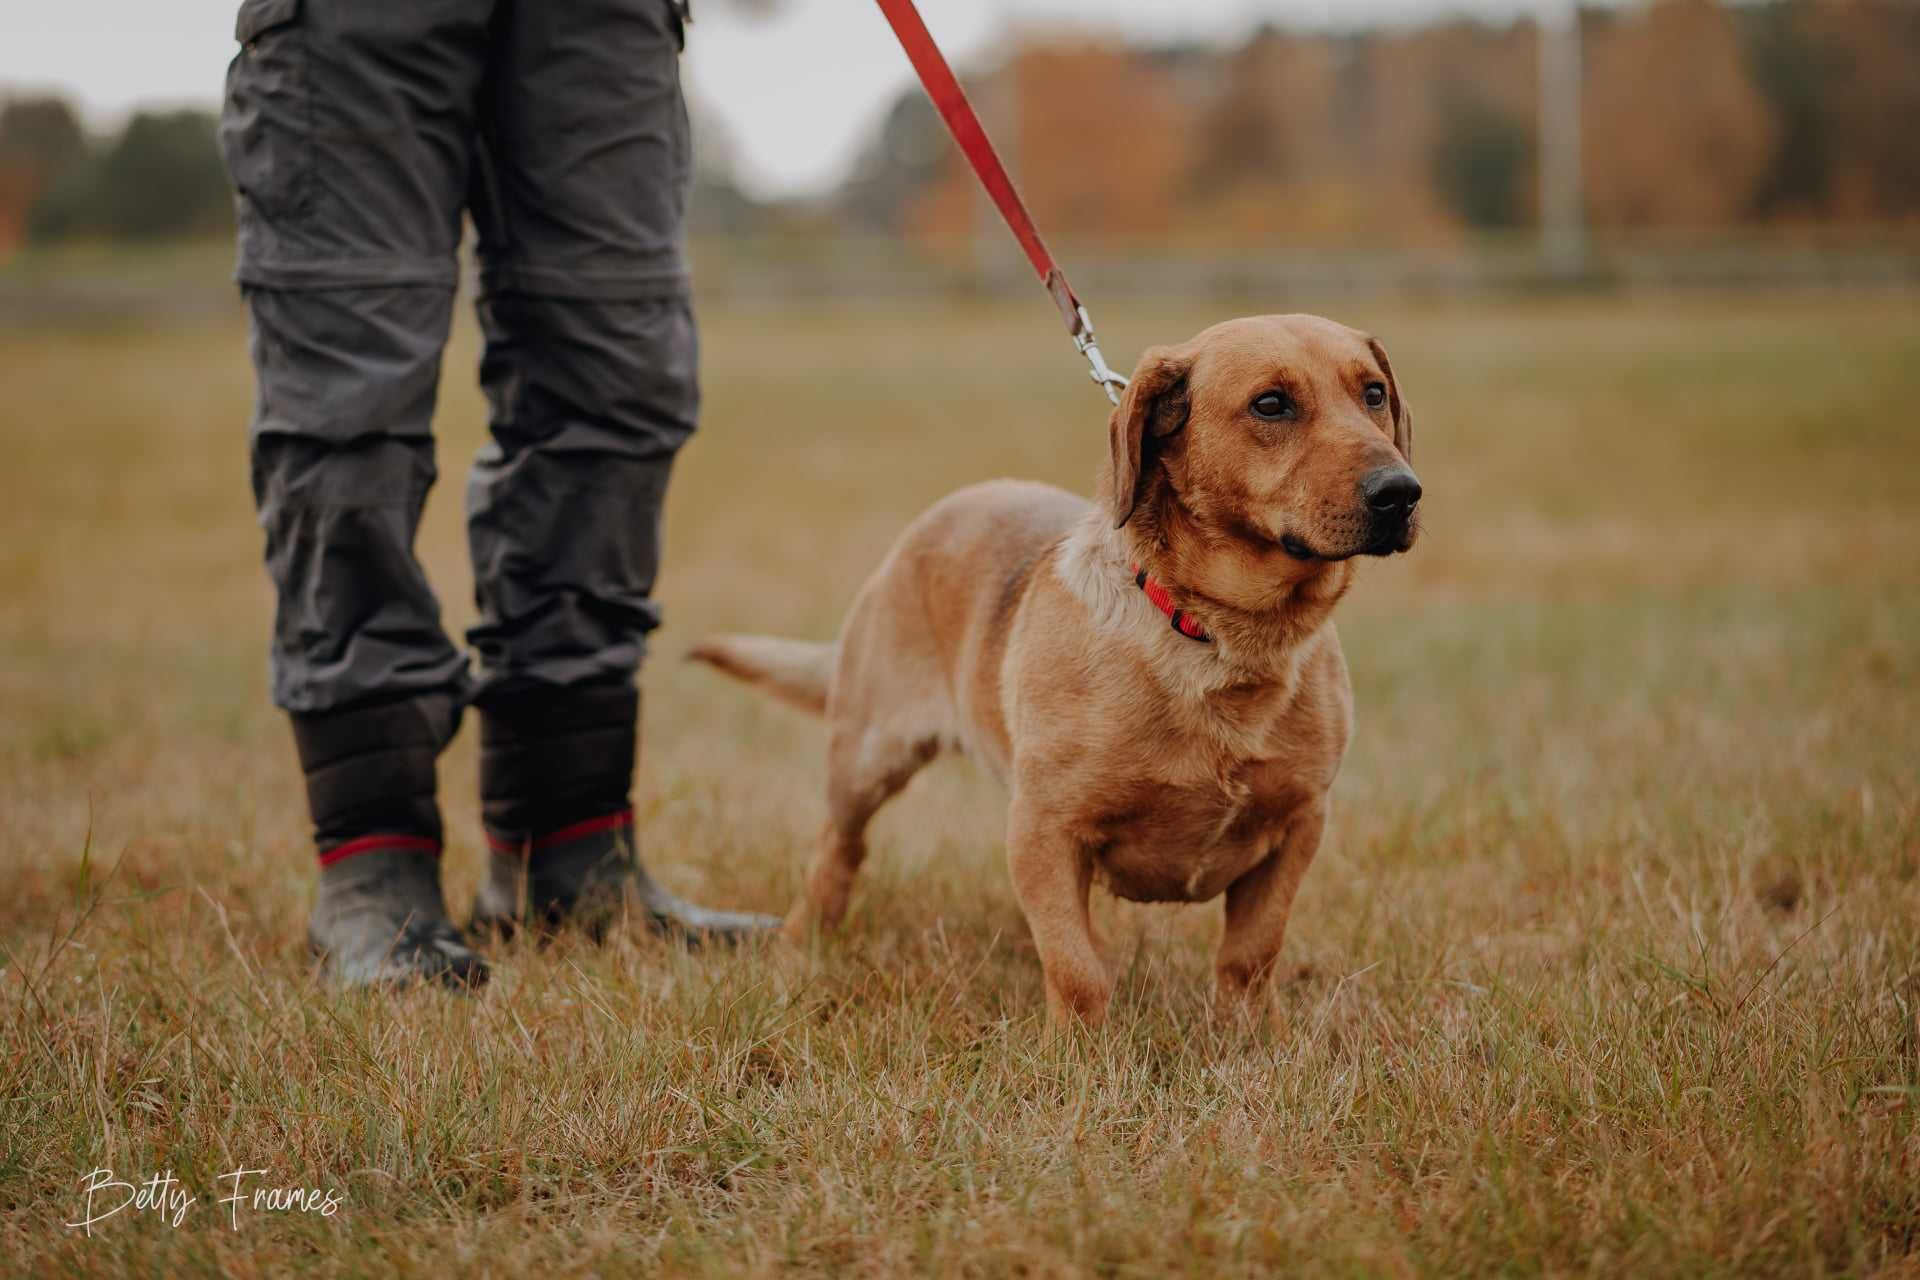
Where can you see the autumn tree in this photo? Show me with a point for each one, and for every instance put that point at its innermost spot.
(1101, 138)
(1676, 132)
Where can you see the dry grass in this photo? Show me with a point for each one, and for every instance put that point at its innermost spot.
(1612, 963)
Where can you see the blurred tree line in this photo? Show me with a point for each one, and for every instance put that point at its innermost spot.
(158, 178)
(1696, 115)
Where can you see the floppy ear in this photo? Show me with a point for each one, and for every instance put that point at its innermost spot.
(1153, 408)
(1402, 416)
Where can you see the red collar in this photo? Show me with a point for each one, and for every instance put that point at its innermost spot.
(1185, 625)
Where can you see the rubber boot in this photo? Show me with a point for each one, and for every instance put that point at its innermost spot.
(556, 768)
(379, 918)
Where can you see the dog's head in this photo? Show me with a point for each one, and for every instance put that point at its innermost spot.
(1284, 440)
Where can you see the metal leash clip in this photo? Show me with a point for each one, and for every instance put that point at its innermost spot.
(1087, 345)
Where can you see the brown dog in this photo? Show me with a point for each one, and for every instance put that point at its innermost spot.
(1155, 674)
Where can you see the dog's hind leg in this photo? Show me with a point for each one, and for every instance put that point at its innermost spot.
(867, 765)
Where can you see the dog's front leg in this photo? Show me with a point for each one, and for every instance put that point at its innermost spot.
(1052, 874)
(1259, 902)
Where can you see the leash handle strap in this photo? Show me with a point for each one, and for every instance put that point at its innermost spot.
(950, 100)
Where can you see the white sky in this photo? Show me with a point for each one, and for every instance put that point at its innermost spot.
(797, 92)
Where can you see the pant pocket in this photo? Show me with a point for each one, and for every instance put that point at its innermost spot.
(266, 126)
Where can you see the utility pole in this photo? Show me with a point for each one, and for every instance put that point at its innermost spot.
(1563, 232)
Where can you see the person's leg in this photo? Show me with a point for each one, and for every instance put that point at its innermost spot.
(590, 374)
(347, 133)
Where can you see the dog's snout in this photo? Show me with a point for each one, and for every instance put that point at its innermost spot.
(1390, 491)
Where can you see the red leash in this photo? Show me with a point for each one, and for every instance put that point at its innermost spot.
(951, 101)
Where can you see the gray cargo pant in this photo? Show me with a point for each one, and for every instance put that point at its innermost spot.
(357, 133)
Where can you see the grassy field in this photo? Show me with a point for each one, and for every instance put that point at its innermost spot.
(1611, 963)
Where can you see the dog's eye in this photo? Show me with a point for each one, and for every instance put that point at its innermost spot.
(1272, 405)
(1376, 394)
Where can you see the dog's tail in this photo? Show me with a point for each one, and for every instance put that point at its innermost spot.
(794, 671)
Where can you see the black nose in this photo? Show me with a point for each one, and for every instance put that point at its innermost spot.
(1390, 491)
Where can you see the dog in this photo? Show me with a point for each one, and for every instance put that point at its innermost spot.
(1155, 674)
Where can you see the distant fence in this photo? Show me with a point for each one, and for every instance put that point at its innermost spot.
(855, 270)
(194, 282)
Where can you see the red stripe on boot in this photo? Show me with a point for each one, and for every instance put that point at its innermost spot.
(577, 831)
(367, 844)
